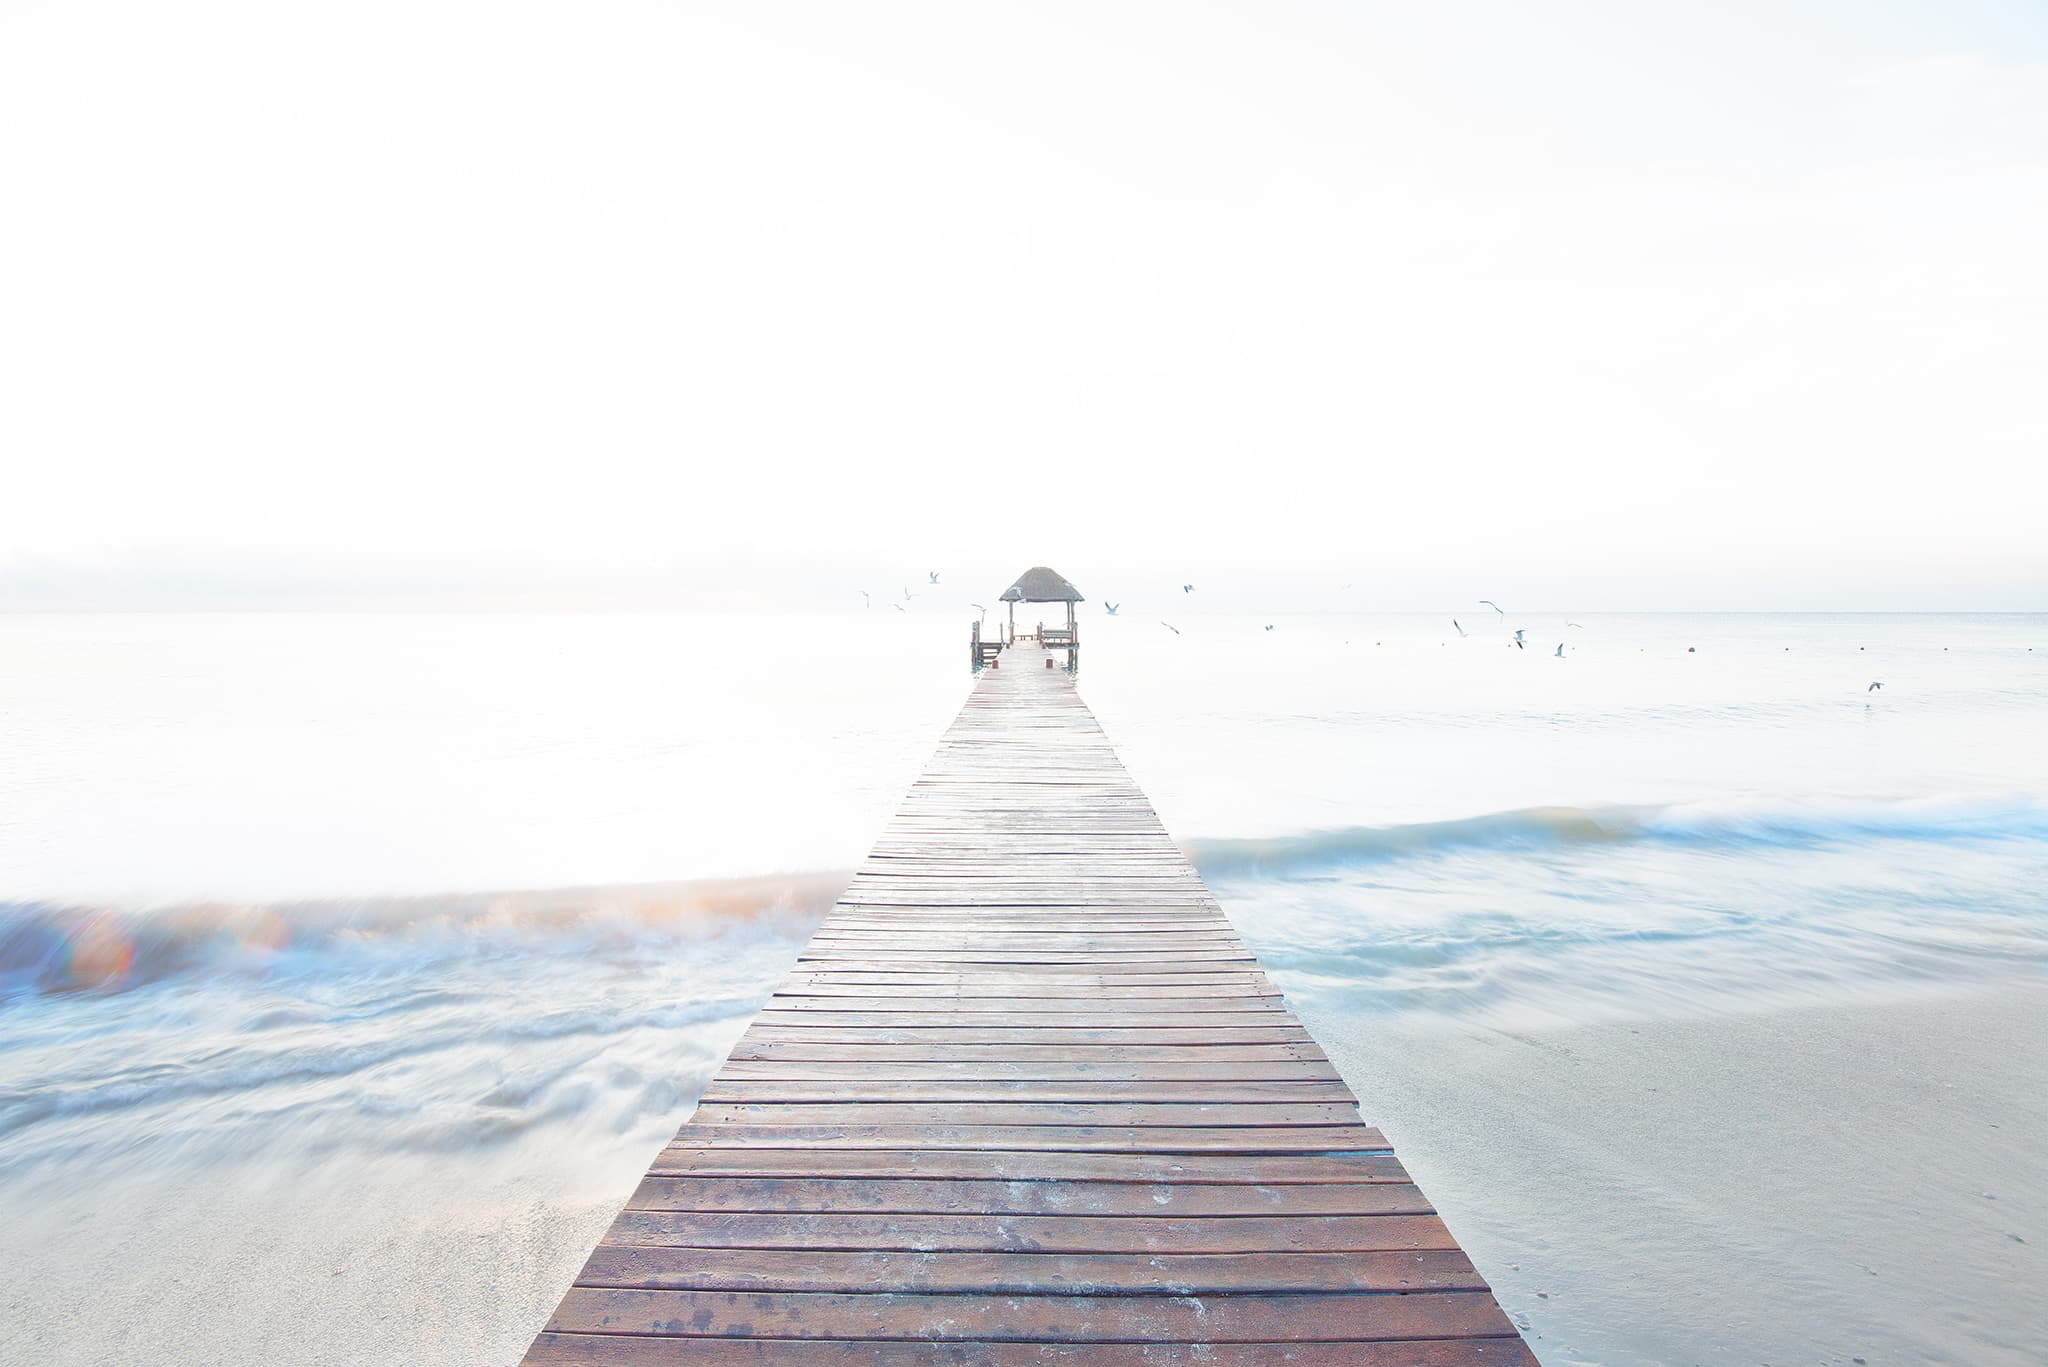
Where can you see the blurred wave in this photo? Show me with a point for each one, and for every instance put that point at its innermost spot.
(1567, 915)
(52, 948)
(477, 1023)
(454, 1024)
(1778, 824)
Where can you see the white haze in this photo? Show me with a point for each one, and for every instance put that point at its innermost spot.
(1592, 304)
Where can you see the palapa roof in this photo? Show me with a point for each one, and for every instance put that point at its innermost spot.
(1041, 585)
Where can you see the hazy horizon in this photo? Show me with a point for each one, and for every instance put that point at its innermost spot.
(1276, 596)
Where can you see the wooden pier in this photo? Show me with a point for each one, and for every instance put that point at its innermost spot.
(1025, 1098)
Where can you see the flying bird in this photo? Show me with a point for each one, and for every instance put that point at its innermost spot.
(934, 574)
(1580, 625)
(1873, 687)
(1111, 608)
(1461, 630)
(1171, 627)
(1269, 626)
(867, 599)
(983, 610)
(1560, 650)
(1187, 588)
(1495, 606)
(906, 594)
(1518, 639)
(901, 608)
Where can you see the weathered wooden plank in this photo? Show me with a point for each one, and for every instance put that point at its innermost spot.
(618, 1350)
(1021, 988)
(1133, 1234)
(725, 1089)
(694, 1155)
(655, 1267)
(1272, 1318)
(1052, 1070)
(893, 1017)
(926, 1196)
(757, 1048)
(1077, 1138)
(1134, 967)
(801, 1031)
(1007, 1114)
(915, 956)
(972, 1008)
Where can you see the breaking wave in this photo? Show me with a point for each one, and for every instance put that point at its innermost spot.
(48, 948)
(1782, 825)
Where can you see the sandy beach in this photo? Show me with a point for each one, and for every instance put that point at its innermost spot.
(1833, 1184)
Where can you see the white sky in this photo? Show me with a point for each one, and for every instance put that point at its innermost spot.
(1587, 304)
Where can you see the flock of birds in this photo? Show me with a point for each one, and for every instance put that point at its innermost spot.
(932, 578)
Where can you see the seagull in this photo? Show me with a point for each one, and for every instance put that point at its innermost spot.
(1495, 606)
(901, 608)
(1873, 687)
(867, 598)
(1269, 626)
(1461, 630)
(906, 594)
(983, 610)
(1111, 608)
(1518, 639)
(934, 574)
(1580, 625)
(1171, 627)
(1187, 588)
(1560, 650)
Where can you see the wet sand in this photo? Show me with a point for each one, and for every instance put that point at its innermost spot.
(365, 1264)
(1864, 1182)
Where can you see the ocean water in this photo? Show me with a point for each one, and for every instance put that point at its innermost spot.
(344, 946)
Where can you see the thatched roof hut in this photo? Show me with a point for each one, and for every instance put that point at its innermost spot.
(1041, 585)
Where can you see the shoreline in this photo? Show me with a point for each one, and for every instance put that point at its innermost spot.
(1828, 1183)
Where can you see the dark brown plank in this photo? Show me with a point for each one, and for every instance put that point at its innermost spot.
(1067, 1138)
(612, 1350)
(1134, 1234)
(756, 1090)
(652, 1267)
(753, 1048)
(1281, 1318)
(693, 1155)
(925, 1196)
(1010, 1114)
(1154, 1072)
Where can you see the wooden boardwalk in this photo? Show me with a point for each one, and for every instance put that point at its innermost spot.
(1026, 1097)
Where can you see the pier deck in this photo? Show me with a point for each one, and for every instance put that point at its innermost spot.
(1027, 1097)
